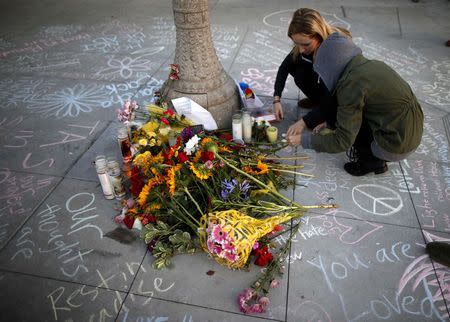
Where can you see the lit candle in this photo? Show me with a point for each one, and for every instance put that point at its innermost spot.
(247, 124)
(272, 134)
(237, 127)
(125, 144)
(105, 182)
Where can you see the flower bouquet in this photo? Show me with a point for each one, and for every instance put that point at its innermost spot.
(196, 190)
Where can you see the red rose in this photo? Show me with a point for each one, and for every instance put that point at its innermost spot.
(261, 251)
(128, 221)
(226, 137)
(207, 156)
(147, 219)
(174, 76)
(278, 228)
(182, 157)
(264, 260)
(168, 112)
(165, 121)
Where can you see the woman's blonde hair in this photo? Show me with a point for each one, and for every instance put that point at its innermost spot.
(309, 22)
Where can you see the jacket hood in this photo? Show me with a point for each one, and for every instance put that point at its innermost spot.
(332, 56)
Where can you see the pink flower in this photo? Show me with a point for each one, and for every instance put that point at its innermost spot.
(217, 234)
(264, 301)
(250, 302)
(209, 164)
(126, 106)
(274, 284)
(130, 203)
(213, 247)
(229, 247)
(119, 219)
(231, 257)
(175, 68)
(256, 245)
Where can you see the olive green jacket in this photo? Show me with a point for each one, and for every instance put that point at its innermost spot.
(372, 90)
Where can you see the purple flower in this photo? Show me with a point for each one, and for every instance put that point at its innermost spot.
(227, 188)
(244, 187)
(186, 134)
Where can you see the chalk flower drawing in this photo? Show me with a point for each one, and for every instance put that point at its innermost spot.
(126, 67)
(70, 101)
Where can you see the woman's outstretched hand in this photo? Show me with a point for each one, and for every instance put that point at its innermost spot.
(319, 128)
(278, 111)
(296, 128)
(294, 140)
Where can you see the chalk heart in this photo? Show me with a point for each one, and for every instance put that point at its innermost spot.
(353, 234)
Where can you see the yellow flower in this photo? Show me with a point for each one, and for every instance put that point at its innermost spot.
(143, 195)
(170, 180)
(157, 159)
(164, 131)
(142, 199)
(153, 207)
(197, 156)
(262, 168)
(205, 140)
(142, 142)
(223, 149)
(142, 160)
(201, 172)
(150, 127)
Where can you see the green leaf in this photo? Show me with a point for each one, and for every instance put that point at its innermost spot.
(159, 263)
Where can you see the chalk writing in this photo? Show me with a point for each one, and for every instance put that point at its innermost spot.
(38, 45)
(65, 301)
(312, 312)
(387, 305)
(347, 232)
(13, 203)
(431, 204)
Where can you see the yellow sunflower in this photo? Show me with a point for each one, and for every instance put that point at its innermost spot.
(170, 180)
(205, 141)
(200, 172)
(197, 156)
(142, 199)
(261, 166)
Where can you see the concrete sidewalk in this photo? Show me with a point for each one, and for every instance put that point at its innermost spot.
(66, 66)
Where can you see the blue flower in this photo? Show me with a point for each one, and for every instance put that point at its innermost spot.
(243, 188)
(227, 188)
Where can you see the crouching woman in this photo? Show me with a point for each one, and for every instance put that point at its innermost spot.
(378, 116)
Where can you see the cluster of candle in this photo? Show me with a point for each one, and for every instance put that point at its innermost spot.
(242, 127)
(108, 171)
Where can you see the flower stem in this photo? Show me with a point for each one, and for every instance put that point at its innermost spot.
(193, 200)
(299, 173)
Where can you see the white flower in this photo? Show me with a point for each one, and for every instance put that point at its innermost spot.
(191, 145)
(137, 224)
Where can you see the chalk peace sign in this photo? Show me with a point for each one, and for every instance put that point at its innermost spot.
(377, 200)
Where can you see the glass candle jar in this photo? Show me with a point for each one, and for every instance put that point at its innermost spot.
(272, 134)
(105, 182)
(247, 124)
(116, 179)
(237, 127)
(125, 144)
